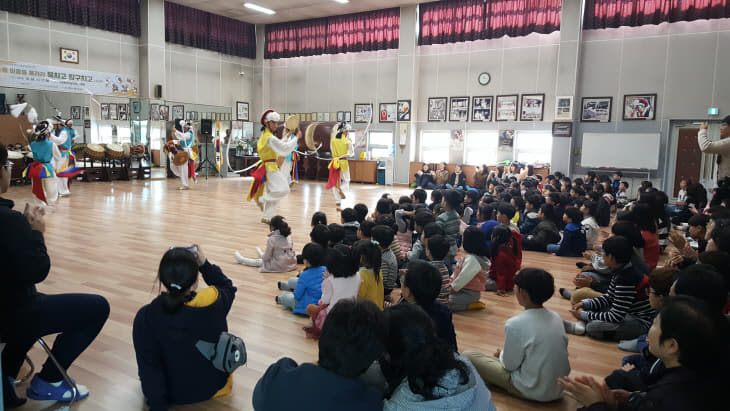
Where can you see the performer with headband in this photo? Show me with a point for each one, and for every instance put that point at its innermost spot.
(290, 166)
(187, 170)
(339, 176)
(63, 138)
(269, 185)
(41, 172)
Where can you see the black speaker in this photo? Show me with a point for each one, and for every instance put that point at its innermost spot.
(2, 103)
(158, 91)
(206, 127)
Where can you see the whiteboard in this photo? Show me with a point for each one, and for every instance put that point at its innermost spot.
(620, 150)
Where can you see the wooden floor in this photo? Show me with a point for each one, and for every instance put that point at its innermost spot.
(108, 238)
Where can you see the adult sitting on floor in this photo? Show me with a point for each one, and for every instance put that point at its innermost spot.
(26, 314)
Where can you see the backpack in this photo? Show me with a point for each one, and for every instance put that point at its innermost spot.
(227, 354)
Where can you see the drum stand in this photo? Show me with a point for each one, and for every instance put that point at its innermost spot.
(206, 162)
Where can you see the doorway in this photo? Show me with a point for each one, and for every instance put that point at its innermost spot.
(686, 159)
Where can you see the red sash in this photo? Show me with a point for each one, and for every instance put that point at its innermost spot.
(259, 178)
(334, 178)
(34, 173)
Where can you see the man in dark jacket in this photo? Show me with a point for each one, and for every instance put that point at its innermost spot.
(26, 314)
(352, 338)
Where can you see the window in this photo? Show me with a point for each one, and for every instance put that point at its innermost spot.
(105, 134)
(435, 146)
(481, 147)
(533, 146)
(380, 144)
(124, 134)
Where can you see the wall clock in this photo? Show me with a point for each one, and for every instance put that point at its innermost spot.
(484, 78)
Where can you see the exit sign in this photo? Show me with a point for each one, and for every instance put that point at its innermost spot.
(712, 111)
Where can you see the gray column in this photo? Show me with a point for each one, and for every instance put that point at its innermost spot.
(152, 48)
(571, 24)
(407, 89)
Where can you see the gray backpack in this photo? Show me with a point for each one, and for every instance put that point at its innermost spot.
(227, 354)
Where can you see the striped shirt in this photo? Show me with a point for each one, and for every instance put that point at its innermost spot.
(627, 294)
(443, 297)
(450, 222)
(389, 269)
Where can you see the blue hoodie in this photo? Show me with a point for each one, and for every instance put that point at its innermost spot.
(308, 289)
(574, 241)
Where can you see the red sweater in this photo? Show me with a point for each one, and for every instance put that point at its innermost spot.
(504, 267)
(651, 249)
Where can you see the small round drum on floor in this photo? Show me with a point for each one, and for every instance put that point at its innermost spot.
(94, 151)
(114, 151)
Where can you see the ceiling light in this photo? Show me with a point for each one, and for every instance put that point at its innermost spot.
(258, 8)
(343, 1)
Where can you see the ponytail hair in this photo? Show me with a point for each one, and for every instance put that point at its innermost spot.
(370, 256)
(178, 272)
(278, 223)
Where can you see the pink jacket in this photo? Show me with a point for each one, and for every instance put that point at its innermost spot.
(279, 256)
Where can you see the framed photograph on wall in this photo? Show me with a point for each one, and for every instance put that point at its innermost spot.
(404, 110)
(69, 55)
(164, 112)
(113, 112)
(459, 109)
(388, 112)
(320, 116)
(105, 111)
(639, 106)
(596, 109)
(562, 129)
(178, 111)
(76, 112)
(481, 108)
(242, 111)
(340, 116)
(135, 107)
(87, 123)
(506, 108)
(123, 111)
(363, 113)
(532, 107)
(154, 111)
(564, 108)
(348, 116)
(437, 108)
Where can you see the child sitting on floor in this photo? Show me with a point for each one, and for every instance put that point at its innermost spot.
(469, 278)
(421, 285)
(436, 251)
(341, 282)
(361, 210)
(383, 237)
(545, 233)
(350, 225)
(371, 287)
(589, 224)
(504, 259)
(337, 234)
(421, 219)
(279, 256)
(574, 239)
(530, 218)
(365, 231)
(535, 351)
(306, 288)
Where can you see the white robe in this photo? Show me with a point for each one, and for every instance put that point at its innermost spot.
(276, 187)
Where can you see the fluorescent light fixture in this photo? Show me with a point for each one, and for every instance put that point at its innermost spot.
(258, 8)
(343, 1)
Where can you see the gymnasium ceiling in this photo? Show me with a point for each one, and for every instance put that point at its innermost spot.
(290, 10)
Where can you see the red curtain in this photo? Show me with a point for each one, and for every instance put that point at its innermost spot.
(601, 14)
(374, 30)
(467, 20)
(200, 29)
(451, 22)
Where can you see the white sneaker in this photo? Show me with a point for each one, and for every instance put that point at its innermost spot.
(183, 188)
(239, 258)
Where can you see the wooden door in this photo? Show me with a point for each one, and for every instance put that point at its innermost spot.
(689, 158)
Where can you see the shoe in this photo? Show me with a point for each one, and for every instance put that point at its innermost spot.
(580, 264)
(629, 345)
(278, 284)
(477, 306)
(575, 328)
(266, 221)
(41, 390)
(565, 293)
(239, 258)
(183, 188)
(276, 298)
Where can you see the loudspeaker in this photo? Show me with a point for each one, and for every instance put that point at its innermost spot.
(2, 103)
(158, 91)
(206, 127)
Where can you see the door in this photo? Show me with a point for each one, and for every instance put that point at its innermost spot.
(689, 158)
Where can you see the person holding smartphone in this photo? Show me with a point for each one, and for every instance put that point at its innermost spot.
(165, 332)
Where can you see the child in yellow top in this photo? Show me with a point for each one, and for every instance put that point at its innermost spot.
(371, 287)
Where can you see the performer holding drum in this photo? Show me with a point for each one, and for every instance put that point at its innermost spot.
(339, 169)
(290, 166)
(183, 169)
(66, 159)
(270, 185)
(41, 172)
